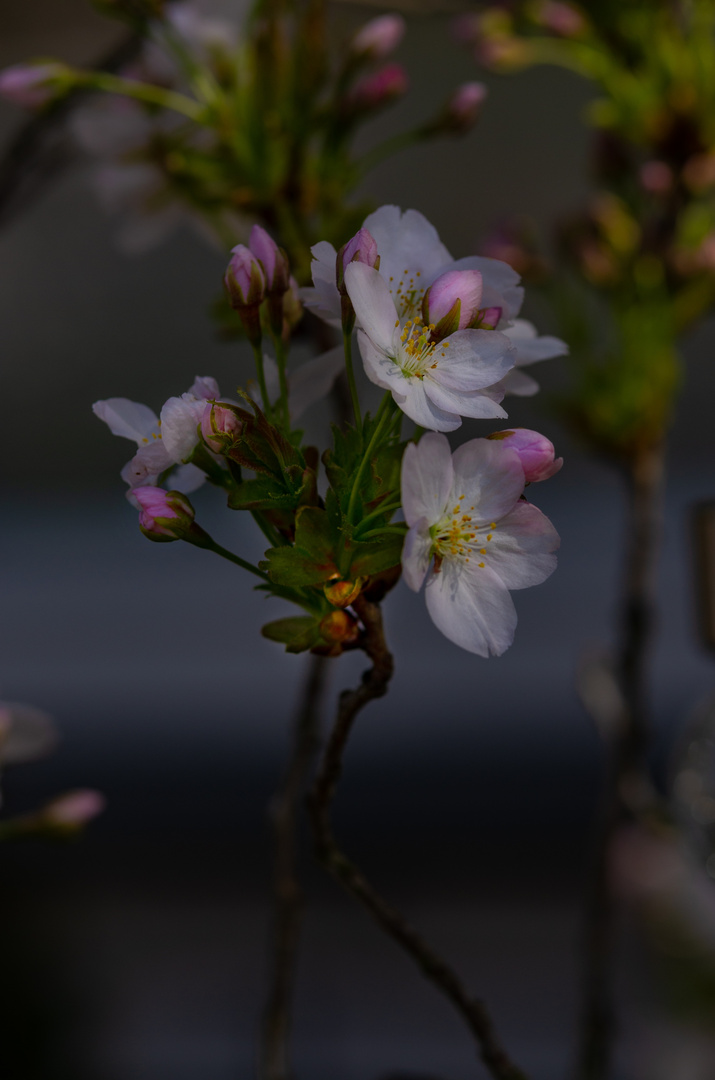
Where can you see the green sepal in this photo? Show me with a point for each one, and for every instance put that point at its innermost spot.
(297, 632)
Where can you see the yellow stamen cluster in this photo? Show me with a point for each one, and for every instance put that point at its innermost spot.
(456, 535)
(407, 293)
(416, 355)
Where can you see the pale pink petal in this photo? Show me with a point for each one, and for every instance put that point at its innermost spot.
(490, 477)
(147, 465)
(472, 359)
(186, 478)
(204, 387)
(473, 403)
(411, 397)
(179, 426)
(519, 384)
(373, 304)
(501, 284)
(407, 242)
(129, 419)
(530, 348)
(522, 547)
(472, 607)
(416, 554)
(426, 479)
(379, 368)
(323, 298)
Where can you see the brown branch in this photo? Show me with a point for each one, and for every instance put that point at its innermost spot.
(288, 896)
(629, 791)
(374, 684)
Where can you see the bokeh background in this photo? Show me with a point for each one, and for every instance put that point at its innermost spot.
(470, 795)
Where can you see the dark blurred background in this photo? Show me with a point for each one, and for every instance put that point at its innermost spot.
(470, 792)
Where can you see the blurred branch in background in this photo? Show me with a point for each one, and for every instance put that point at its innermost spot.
(635, 270)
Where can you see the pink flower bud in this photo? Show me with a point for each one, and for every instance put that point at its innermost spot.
(374, 91)
(74, 809)
(452, 302)
(378, 38)
(165, 515)
(560, 18)
(463, 108)
(273, 260)
(221, 427)
(245, 280)
(535, 451)
(361, 248)
(489, 318)
(31, 85)
(656, 177)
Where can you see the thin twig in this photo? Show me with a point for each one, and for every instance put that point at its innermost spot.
(288, 897)
(41, 149)
(629, 790)
(374, 684)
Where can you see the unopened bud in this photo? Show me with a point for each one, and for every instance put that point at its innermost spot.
(488, 319)
(378, 38)
(220, 426)
(462, 109)
(342, 593)
(560, 18)
(72, 811)
(246, 286)
(273, 260)
(340, 627)
(362, 247)
(535, 451)
(33, 85)
(452, 302)
(165, 515)
(381, 88)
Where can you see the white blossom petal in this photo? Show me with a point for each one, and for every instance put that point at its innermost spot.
(426, 479)
(323, 298)
(407, 242)
(186, 478)
(147, 465)
(472, 607)
(473, 359)
(530, 348)
(501, 286)
(416, 554)
(522, 550)
(204, 387)
(520, 384)
(490, 476)
(129, 419)
(374, 307)
(180, 418)
(411, 397)
(473, 403)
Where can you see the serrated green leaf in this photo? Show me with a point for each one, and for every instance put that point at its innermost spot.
(297, 632)
(374, 556)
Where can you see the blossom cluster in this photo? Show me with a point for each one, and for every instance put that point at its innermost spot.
(442, 339)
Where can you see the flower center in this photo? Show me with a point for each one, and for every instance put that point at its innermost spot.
(457, 536)
(407, 293)
(416, 352)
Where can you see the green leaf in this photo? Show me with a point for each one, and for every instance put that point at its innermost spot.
(297, 632)
(263, 493)
(374, 556)
(312, 559)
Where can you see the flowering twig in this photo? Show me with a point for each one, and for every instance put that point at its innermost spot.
(374, 684)
(287, 915)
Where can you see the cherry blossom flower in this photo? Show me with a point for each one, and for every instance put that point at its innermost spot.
(378, 37)
(163, 443)
(472, 538)
(435, 382)
(412, 257)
